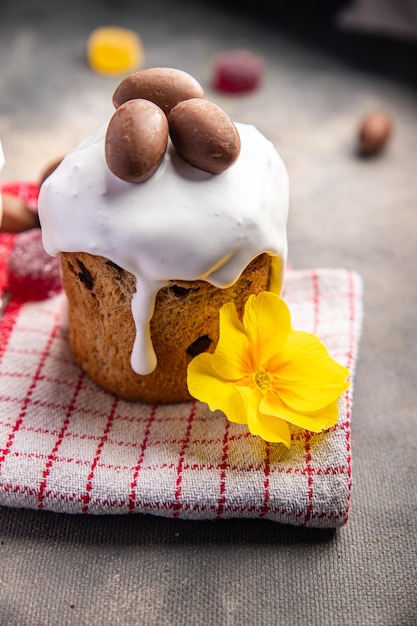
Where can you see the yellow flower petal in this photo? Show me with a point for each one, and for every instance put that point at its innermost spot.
(316, 421)
(268, 427)
(266, 375)
(232, 356)
(205, 385)
(267, 323)
(305, 377)
(274, 429)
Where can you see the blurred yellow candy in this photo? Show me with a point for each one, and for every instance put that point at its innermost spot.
(114, 50)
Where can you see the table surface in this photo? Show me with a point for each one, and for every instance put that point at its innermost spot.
(345, 212)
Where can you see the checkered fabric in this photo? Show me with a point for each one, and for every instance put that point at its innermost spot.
(68, 446)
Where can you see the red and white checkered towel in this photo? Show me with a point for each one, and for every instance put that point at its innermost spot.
(68, 446)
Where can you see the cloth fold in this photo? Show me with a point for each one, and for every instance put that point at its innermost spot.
(68, 446)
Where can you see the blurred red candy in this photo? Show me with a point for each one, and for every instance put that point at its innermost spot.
(32, 273)
(238, 71)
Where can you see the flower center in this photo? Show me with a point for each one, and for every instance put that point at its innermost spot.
(263, 380)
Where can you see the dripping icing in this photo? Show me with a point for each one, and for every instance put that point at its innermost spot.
(180, 224)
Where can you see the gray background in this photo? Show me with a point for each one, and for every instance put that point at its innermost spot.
(345, 212)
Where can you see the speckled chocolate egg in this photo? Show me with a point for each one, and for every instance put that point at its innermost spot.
(136, 140)
(204, 135)
(162, 85)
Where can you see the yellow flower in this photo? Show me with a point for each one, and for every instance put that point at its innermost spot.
(266, 375)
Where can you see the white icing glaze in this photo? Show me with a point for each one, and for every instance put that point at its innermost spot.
(180, 224)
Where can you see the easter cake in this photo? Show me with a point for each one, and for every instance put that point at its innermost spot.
(163, 215)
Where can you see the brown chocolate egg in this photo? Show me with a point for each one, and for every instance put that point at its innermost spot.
(204, 135)
(136, 140)
(374, 132)
(16, 215)
(162, 85)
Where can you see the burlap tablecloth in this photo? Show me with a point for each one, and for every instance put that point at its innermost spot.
(68, 446)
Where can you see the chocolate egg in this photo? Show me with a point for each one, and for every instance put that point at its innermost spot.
(136, 140)
(162, 85)
(204, 135)
(374, 132)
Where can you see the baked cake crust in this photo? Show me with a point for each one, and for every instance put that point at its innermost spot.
(185, 322)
